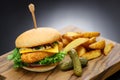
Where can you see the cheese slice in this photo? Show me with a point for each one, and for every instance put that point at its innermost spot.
(25, 50)
(51, 50)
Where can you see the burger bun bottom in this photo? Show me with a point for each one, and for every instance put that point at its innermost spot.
(40, 68)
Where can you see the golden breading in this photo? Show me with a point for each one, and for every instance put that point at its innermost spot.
(90, 41)
(34, 56)
(108, 48)
(92, 54)
(90, 34)
(80, 50)
(98, 45)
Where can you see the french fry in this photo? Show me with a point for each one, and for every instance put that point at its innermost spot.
(75, 43)
(92, 54)
(90, 34)
(108, 48)
(90, 41)
(80, 50)
(98, 45)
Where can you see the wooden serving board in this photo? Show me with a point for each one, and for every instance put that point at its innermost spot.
(97, 69)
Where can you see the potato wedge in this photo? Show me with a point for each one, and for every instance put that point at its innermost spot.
(98, 45)
(65, 41)
(75, 43)
(92, 54)
(60, 46)
(72, 35)
(80, 50)
(108, 48)
(69, 38)
(90, 34)
(90, 41)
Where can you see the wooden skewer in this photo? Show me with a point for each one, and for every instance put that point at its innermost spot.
(32, 10)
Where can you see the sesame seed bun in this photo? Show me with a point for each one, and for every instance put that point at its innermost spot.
(35, 37)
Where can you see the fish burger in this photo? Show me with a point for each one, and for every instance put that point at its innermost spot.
(37, 50)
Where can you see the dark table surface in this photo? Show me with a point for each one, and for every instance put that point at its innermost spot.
(89, 15)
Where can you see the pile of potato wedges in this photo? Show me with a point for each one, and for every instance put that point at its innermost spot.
(86, 44)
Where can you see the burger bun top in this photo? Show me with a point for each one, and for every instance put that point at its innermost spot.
(38, 36)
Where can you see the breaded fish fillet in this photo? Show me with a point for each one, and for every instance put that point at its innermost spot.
(34, 56)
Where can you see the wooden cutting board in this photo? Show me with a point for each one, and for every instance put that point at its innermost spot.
(97, 69)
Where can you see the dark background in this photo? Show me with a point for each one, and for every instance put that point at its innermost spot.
(89, 15)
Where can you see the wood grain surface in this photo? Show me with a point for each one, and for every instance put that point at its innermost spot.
(97, 69)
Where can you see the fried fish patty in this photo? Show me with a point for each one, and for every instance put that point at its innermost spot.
(34, 56)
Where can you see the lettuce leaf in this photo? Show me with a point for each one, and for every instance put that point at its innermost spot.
(53, 59)
(16, 57)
